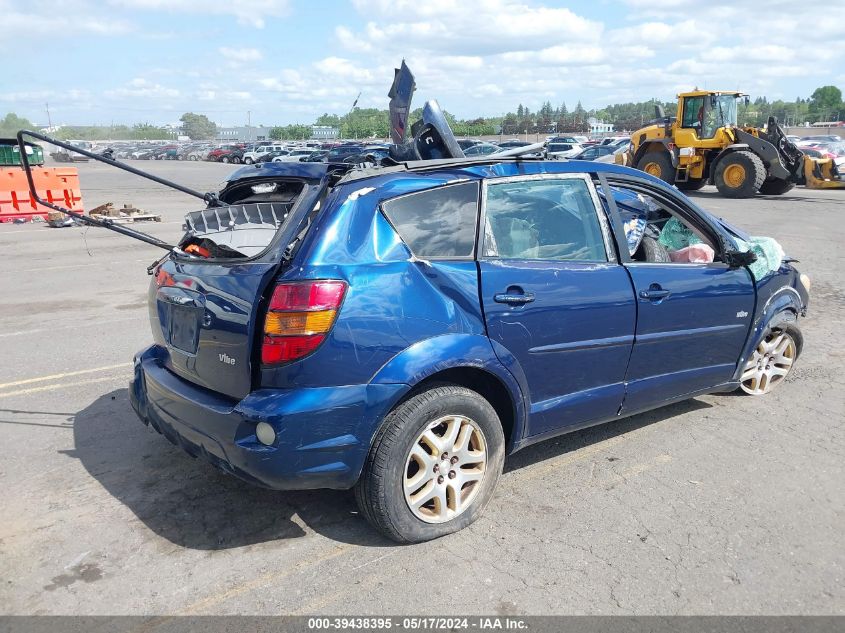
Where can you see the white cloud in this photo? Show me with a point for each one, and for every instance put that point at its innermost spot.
(140, 88)
(241, 55)
(41, 20)
(247, 12)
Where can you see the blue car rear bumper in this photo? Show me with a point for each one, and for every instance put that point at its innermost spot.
(322, 434)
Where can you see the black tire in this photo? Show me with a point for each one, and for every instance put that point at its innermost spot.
(661, 162)
(650, 250)
(248, 161)
(775, 187)
(379, 491)
(693, 184)
(235, 160)
(755, 174)
(225, 159)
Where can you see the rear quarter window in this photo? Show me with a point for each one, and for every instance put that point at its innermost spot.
(437, 222)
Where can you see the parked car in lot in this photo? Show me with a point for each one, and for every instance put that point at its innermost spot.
(466, 143)
(399, 331)
(823, 138)
(293, 156)
(315, 156)
(594, 152)
(342, 152)
(226, 154)
(557, 149)
(272, 156)
(615, 140)
(201, 153)
(482, 149)
(251, 155)
(512, 143)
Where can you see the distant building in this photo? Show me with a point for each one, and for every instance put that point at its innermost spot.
(324, 132)
(599, 127)
(242, 133)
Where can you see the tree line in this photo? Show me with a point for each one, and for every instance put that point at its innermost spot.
(825, 104)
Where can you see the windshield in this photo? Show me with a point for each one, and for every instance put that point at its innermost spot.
(719, 111)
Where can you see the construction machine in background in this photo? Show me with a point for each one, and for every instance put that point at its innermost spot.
(704, 145)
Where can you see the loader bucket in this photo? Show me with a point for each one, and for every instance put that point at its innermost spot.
(821, 173)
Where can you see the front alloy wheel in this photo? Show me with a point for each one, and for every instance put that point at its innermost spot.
(445, 469)
(770, 363)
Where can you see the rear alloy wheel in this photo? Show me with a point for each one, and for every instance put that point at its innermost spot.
(433, 465)
(248, 161)
(770, 363)
(775, 187)
(740, 174)
(236, 160)
(659, 165)
(225, 159)
(445, 468)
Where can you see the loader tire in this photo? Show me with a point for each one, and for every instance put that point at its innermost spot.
(657, 164)
(740, 174)
(775, 187)
(693, 184)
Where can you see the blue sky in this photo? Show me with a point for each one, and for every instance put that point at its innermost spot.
(287, 61)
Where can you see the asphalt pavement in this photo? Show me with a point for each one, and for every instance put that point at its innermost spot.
(724, 504)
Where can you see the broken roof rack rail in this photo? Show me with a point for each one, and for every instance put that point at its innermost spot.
(422, 165)
(209, 198)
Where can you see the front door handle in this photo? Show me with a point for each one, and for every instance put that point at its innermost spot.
(654, 293)
(512, 298)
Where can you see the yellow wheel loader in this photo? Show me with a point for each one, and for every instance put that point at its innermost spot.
(704, 145)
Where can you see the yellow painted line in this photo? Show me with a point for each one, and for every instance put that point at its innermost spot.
(262, 580)
(576, 456)
(73, 266)
(67, 374)
(63, 385)
(137, 317)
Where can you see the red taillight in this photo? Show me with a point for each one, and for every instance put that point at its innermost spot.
(299, 317)
(307, 296)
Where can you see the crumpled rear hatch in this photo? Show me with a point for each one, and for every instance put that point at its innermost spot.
(206, 298)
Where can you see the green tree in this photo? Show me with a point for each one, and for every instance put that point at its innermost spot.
(826, 103)
(149, 132)
(826, 98)
(198, 126)
(328, 119)
(294, 132)
(11, 123)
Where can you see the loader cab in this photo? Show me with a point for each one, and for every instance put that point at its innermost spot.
(703, 114)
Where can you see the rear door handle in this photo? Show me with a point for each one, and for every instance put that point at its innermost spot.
(654, 293)
(513, 299)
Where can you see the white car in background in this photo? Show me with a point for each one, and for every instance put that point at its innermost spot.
(294, 156)
(562, 150)
(253, 155)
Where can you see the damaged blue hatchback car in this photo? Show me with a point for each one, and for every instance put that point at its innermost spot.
(400, 330)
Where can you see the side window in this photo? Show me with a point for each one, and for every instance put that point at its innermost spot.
(693, 112)
(438, 222)
(656, 234)
(543, 219)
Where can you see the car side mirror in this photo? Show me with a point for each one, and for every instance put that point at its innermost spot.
(738, 259)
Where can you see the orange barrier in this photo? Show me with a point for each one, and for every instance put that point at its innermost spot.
(58, 185)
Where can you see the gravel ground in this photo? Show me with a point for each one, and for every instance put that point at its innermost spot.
(718, 505)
